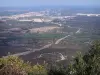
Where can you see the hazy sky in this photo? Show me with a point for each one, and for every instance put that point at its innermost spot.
(49, 2)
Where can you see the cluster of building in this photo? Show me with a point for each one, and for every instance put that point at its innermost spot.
(23, 15)
(81, 14)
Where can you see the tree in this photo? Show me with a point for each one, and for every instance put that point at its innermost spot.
(88, 64)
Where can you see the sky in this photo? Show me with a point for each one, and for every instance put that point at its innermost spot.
(18, 3)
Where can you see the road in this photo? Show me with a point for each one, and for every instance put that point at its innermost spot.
(46, 46)
(59, 40)
(78, 31)
(62, 57)
(28, 52)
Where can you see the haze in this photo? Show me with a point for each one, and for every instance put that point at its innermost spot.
(18, 3)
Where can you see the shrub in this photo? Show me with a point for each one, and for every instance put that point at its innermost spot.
(88, 64)
(12, 65)
(57, 70)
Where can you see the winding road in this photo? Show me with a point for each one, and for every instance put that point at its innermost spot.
(62, 57)
(46, 46)
(28, 52)
(59, 40)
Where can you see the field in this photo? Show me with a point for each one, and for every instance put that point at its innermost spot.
(44, 35)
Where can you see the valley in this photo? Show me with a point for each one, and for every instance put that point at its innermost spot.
(40, 36)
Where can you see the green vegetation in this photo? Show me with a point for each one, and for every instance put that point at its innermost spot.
(14, 66)
(87, 64)
(44, 35)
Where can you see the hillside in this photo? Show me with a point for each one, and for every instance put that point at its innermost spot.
(82, 64)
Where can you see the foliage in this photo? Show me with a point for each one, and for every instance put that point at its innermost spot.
(12, 65)
(88, 64)
(56, 70)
